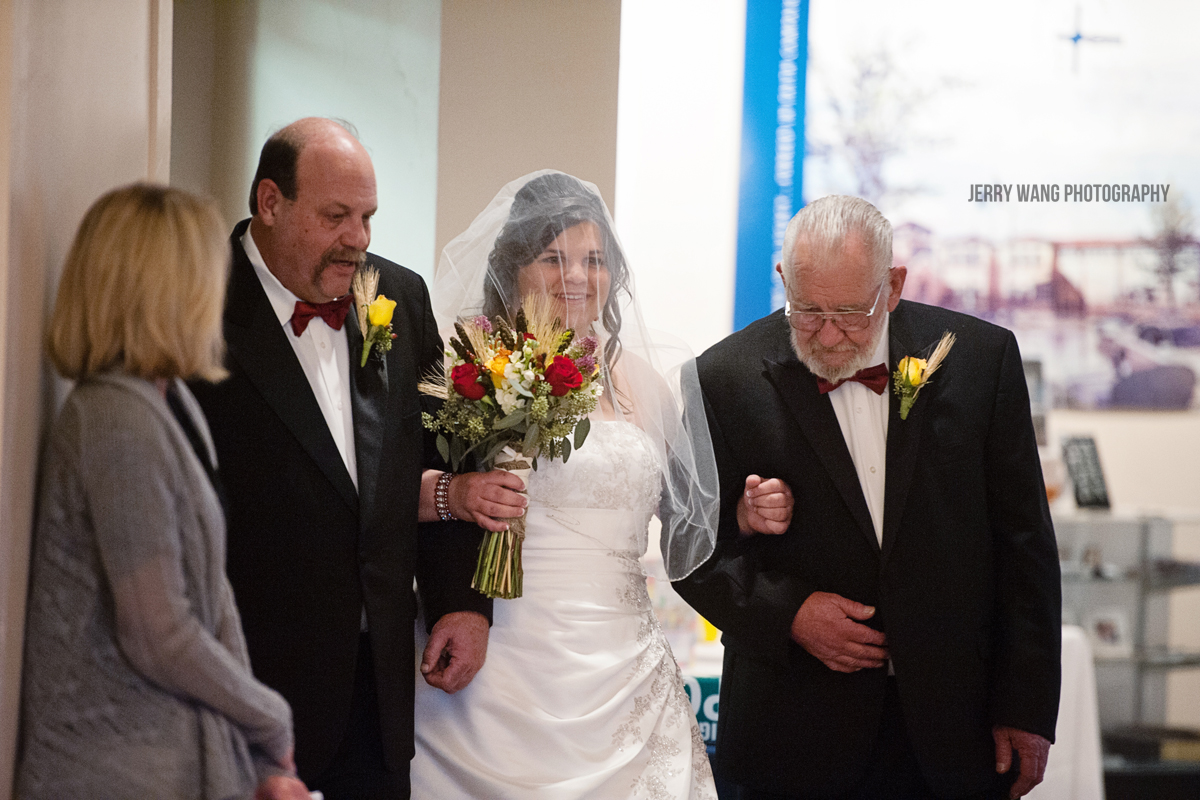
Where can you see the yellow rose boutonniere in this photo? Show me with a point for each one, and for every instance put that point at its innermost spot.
(374, 313)
(912, 373)
(379, 312)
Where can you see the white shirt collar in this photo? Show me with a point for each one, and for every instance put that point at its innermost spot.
(281, 298)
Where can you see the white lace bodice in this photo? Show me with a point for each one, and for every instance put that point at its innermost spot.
(616, 470)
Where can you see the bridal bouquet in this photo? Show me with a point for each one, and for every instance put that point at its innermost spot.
(513, 393)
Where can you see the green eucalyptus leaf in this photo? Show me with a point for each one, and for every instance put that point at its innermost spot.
(582, 428)
(443, 448)
(531, 437)
(510, 421)
(494, 451)
(566, 448)
(457, 451)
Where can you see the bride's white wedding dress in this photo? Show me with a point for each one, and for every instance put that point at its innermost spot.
(580, 696)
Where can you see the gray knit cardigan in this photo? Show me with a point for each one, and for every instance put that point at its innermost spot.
(136, 680)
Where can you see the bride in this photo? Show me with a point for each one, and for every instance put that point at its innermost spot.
(580, 695)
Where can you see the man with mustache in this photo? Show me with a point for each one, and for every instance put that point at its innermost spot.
(901, 638)
(325, 477)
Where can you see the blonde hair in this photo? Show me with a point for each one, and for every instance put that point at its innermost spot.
(143, 288)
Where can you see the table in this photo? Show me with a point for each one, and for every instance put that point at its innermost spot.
(1075, 769)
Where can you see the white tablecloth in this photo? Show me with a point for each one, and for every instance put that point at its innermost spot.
(1075, 770)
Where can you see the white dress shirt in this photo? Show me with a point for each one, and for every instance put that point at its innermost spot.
(863, 417)
(323, 354)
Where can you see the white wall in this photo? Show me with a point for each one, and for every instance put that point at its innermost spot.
(679, 117)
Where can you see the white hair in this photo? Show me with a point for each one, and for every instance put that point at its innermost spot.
(826, 223)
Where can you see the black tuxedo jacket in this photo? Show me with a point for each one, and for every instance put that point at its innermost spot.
(966, 583)
(306, 552)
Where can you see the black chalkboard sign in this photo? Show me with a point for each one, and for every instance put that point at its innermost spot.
(1083, 464)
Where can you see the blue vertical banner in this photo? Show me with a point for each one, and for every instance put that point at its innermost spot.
(772, 158)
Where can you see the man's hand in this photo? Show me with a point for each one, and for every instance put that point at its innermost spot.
(825, 626)
(765, 506)
(456, 650)
(488, 499)
(1033, 750)
(282, 787)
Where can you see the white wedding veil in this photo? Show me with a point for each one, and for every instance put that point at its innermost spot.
(649, 377)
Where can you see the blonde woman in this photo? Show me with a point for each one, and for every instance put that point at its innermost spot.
(136, 681)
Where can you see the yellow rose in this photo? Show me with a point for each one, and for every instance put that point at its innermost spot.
(912, 369)
(380, 311)
(497, 365)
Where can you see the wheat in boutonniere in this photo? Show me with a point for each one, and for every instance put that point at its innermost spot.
(374, 313)
(513, 393)
(912, 373)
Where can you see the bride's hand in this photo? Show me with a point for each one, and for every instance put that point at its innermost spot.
(765, 506)
(487, 498)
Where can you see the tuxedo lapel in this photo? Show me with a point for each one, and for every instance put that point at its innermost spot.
(818, 422)
(259, 345)
(368, 398)
(904, 435)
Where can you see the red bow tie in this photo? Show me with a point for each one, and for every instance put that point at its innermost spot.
(333, 312)
(874, 378)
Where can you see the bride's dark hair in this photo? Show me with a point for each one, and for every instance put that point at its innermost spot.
(542, 209)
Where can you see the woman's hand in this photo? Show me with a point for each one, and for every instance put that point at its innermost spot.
(485, 498)
(765, 506)
(488, 499)
(282, 787)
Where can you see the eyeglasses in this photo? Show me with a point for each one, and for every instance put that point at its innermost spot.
(845, 320)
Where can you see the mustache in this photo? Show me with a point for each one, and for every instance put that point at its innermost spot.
(358, 257)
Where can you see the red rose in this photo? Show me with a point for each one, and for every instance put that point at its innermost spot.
(563, 376)
(465, 378)
(529, 336)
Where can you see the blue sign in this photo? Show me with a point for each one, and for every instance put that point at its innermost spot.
(772, 158)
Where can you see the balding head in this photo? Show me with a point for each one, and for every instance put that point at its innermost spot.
(313, 228)
(281, 152)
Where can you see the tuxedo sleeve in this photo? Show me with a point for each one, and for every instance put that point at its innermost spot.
(446, 551)
(752, 602)
(1028, 646)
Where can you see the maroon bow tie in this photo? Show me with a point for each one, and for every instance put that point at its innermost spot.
(874, 378)
(333, 312)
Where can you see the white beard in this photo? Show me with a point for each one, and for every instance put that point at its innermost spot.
(810, 356)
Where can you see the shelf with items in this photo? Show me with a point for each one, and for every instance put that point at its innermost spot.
(1118, 574)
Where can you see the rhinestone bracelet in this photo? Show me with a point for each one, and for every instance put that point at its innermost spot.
(441, 496)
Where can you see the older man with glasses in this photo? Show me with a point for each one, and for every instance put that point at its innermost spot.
(901, 638)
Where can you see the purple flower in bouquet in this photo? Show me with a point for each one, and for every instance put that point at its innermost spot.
(586, 364)
(483, 323)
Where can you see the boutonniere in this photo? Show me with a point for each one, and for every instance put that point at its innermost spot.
(374, 313)
(912, 373)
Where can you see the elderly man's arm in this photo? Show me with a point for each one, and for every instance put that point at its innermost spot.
(751, 602)
(1028, 637)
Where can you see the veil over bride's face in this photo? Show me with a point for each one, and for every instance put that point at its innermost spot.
(573, 272)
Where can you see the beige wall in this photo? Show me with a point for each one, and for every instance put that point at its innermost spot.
(85, 104)
(525, 85)
(1151, 462)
